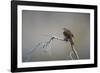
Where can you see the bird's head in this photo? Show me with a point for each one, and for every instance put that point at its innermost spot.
(65, 29)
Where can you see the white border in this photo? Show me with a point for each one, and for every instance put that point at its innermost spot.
(53, 63)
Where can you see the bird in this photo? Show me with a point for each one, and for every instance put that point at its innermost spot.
(68, 36)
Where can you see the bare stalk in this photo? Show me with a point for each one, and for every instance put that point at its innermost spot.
(75, 52)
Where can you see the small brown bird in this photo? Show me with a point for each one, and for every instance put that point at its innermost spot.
(68, 36)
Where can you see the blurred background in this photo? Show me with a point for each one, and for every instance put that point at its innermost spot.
(39, 26)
